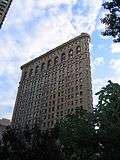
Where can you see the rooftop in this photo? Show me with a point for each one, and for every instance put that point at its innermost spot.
(62, 45)
(4, 122)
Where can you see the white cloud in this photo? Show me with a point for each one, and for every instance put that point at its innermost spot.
(115, 48)
(115, 65)
(96, 62)
(7, 101)
(33, 27)
(113, 75)
(99, 83)
(49, 3)
(100, 26)
(23, 12)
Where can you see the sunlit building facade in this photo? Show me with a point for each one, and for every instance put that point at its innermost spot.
(54, 85)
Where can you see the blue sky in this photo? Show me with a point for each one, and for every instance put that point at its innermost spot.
(36, 26)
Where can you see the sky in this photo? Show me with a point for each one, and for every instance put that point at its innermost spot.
(33, 27)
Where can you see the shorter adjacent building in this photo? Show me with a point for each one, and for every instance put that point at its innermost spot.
(3, 124)
(4, 7)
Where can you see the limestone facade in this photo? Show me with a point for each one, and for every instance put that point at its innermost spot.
(54, 85)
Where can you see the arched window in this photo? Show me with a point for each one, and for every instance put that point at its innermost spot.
(43, 66)
(78, 50)
(70, 54)
(31, 72)
(63, 57)
(36, 69)
(49, 64)
(24, 75)
(56, 61)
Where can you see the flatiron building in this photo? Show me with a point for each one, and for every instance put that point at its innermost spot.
(54, 85)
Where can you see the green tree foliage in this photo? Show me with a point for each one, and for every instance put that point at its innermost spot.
(29, 145)
(112, 19)
(108, 120)
(73, 138)
(77, 136)
(12, 145)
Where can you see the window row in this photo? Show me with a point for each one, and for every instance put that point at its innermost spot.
(49, 63)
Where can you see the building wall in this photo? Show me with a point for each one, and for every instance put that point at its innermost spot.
(54, 85)
(3, 124)
(4, 6)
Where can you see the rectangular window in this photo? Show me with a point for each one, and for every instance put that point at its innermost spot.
(49, 110)
(53, 102)
(48, 116)
(80, 100)
(52, 115)
(62, 99)
(53, 108)
(81, 93)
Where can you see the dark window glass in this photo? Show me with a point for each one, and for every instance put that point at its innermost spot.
(52, 115)
(53, 102)
(70, 54)
(49, 64)
(42, 66)
(63, 57)
(31, 72)
(36, 69)
(56, 61)
(44, 124)
(81, 93)
(80, 100)
(24, 75)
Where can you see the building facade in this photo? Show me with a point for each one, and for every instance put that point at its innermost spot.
(4, 7)
(54, 85)
(3, 124)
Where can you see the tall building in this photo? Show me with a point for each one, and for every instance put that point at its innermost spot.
(54, 85)
(3, 124)
(4, 7)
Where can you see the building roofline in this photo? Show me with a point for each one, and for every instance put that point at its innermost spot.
(5, 13)
(56, 48)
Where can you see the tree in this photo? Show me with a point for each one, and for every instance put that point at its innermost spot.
(12, 146)
(77, 136)
(29, 144)
(112, 19)
(43, 145)
(108, 120)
